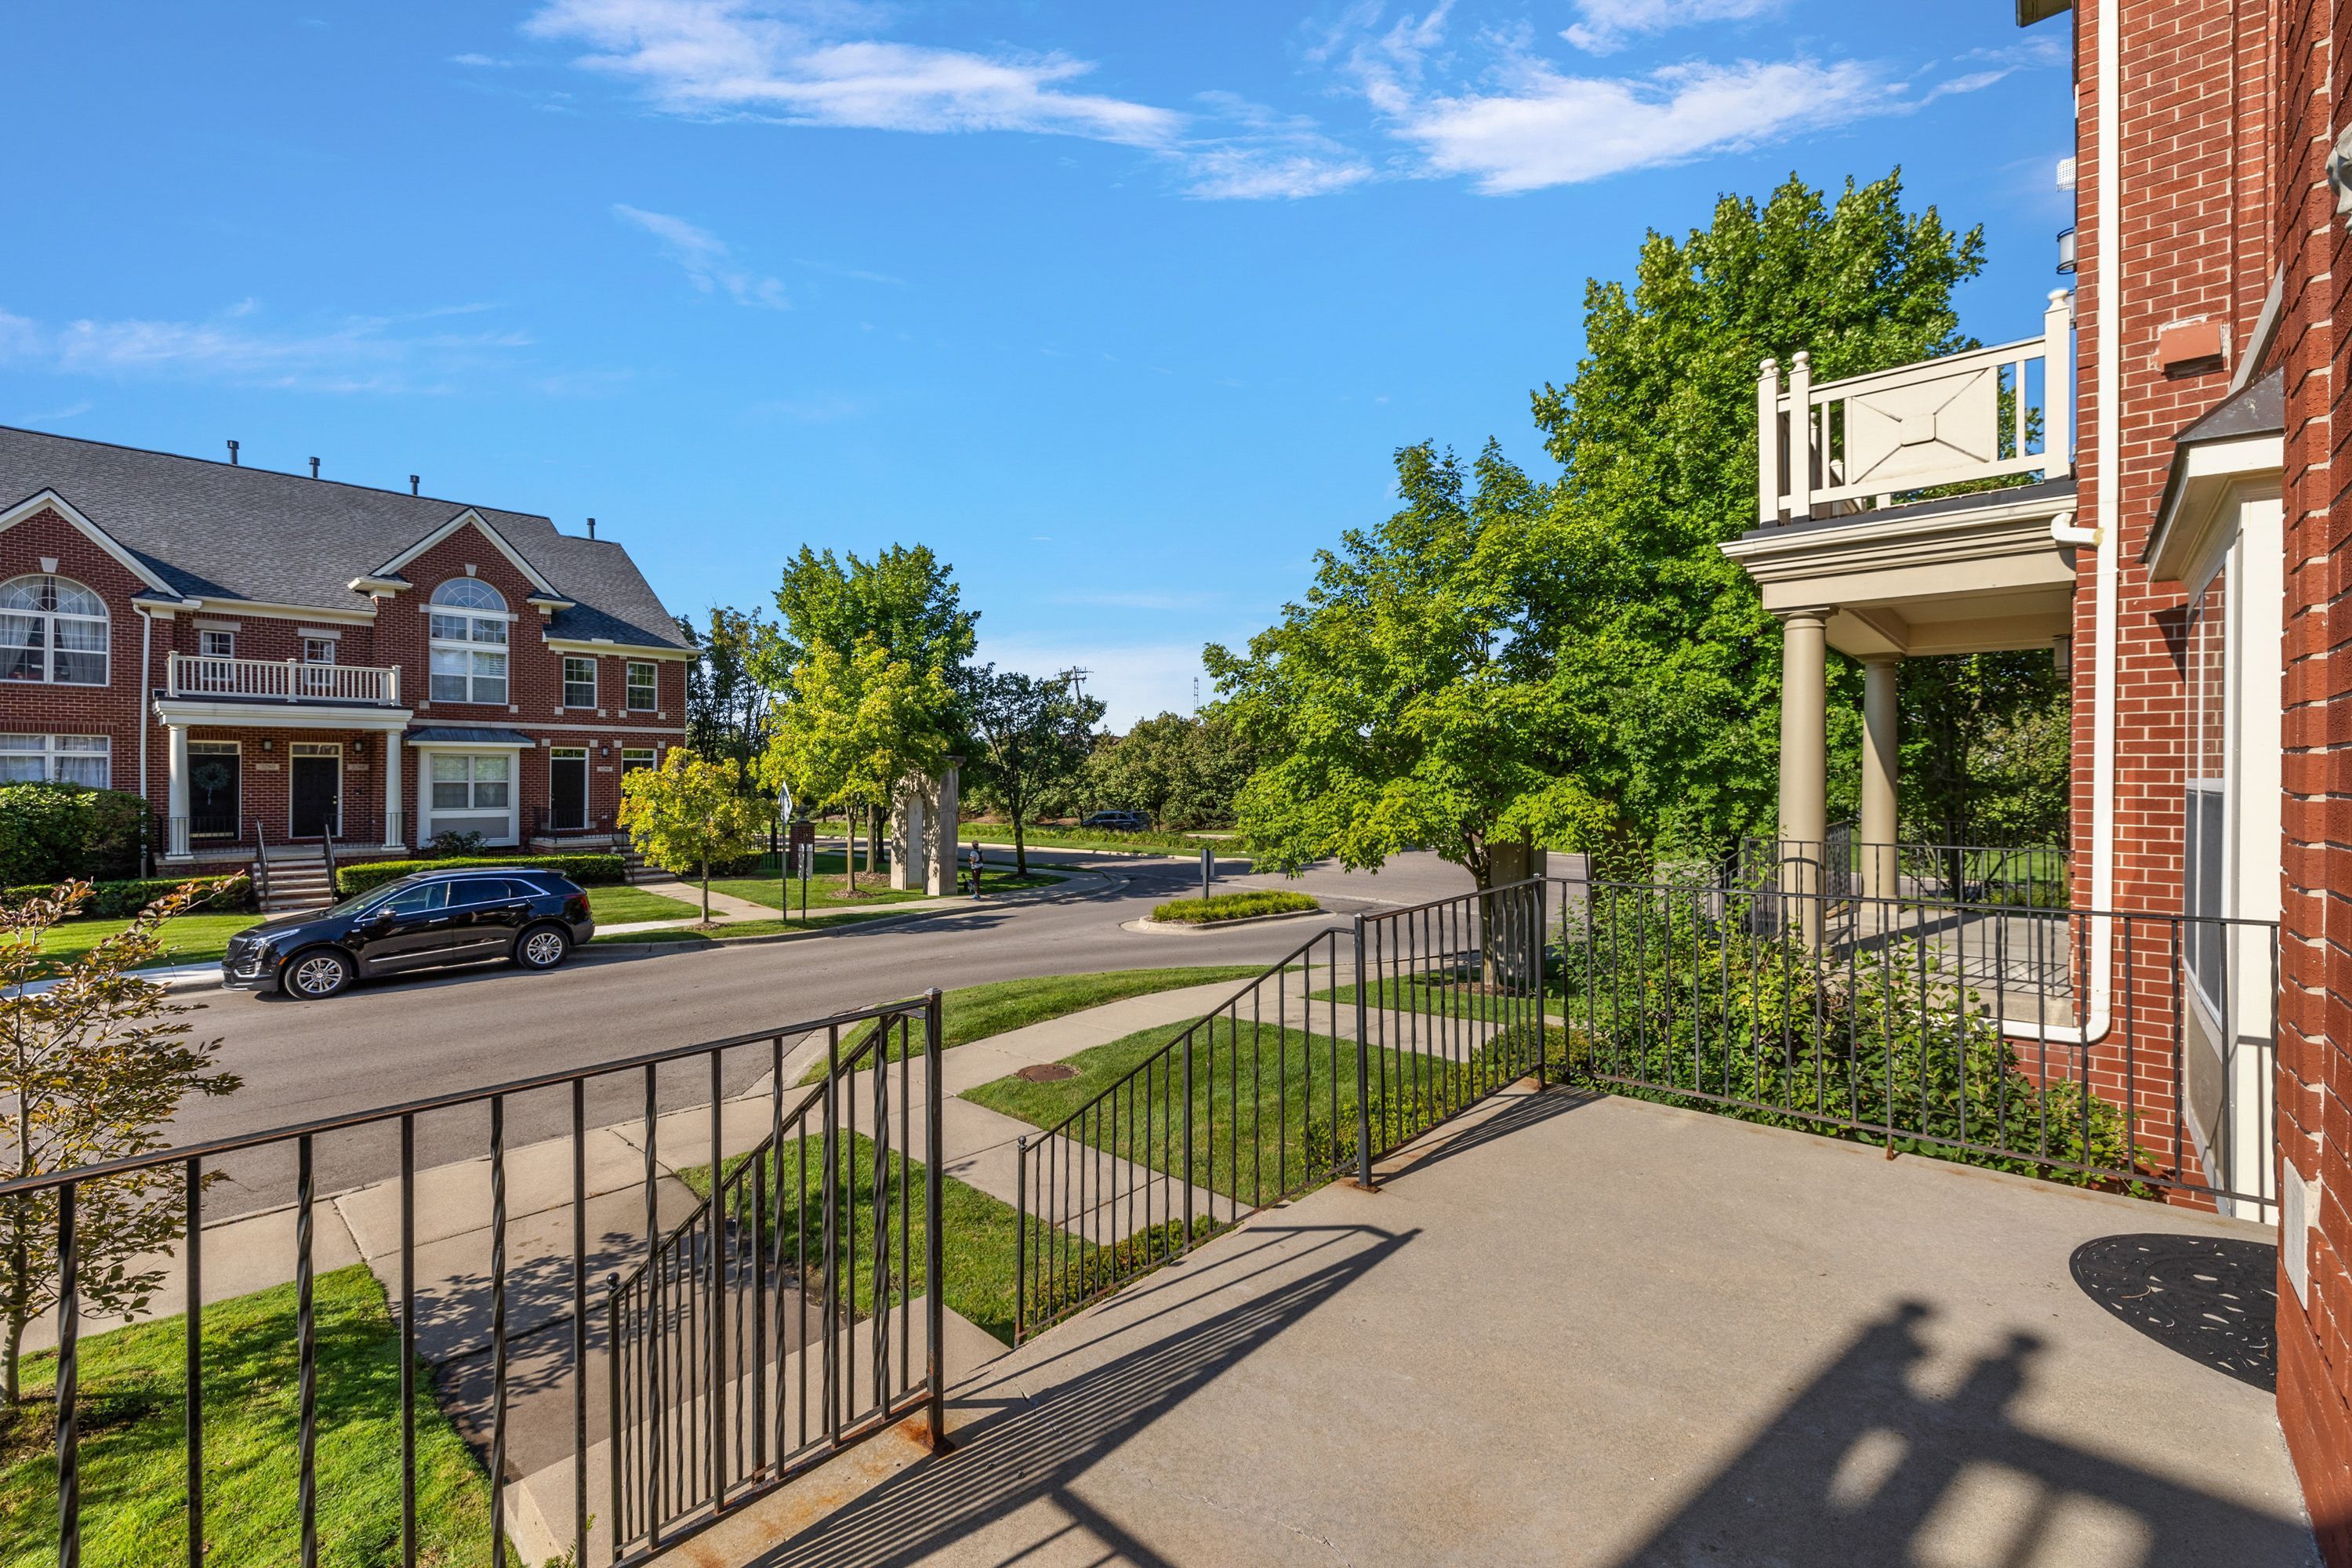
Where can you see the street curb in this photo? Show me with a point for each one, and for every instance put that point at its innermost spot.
(1205, 928)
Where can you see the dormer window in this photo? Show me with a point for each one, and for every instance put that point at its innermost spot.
(52, 629)
(469, 642)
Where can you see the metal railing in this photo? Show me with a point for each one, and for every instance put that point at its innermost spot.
(1841, 446)
(2129, 1051)
(1357, 1041)
(281, 681)
(52, 1210)
(712, 1394)
(260, 864)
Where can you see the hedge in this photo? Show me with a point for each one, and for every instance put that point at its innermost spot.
(58, 832)
(1233, 907)
(588, 870)
(121, 901)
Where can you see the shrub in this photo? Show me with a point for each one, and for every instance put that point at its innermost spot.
(51, 833)
(121, 901)
(456, 843)
(588, 870)
(1233, 907)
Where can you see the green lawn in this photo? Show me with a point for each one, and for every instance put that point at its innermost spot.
(971, 1012)
(1444, 997)
(621, 904)
(1152, 841)
(134, 1462)
(191, 939)
(978, 1246)
(1264, 1102)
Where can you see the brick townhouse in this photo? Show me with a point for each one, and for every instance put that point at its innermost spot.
(271, 660)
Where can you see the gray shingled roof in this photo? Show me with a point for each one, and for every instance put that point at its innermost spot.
(222, 532)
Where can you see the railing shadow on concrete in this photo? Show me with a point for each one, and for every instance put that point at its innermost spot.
(1862, 1465)
(1023, 1450)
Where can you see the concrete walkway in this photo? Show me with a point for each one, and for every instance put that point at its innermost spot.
(1597, 1331)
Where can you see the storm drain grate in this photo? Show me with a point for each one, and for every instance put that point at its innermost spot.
(1048, 1072)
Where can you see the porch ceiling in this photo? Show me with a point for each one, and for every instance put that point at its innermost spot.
(1972, 574)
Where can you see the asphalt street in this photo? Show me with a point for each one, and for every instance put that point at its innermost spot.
(387, 1043)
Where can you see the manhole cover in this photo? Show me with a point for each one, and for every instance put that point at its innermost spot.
(2212, 1299)
(1048, 1072)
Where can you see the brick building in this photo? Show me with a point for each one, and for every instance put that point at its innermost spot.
(272, 660)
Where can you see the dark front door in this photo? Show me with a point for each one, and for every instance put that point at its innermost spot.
(317, 783)
(212, 789)
(567, 790)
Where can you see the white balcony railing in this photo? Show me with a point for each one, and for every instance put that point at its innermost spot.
(1849, 445)
(282, 680)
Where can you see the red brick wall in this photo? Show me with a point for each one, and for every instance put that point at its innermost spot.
(2194, 238)
(37, 708)
(2315, 1397)
(398, 636)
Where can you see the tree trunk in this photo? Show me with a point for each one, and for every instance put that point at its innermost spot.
(873, 839)
(12, 1358)
(849, 858)
(706, 892)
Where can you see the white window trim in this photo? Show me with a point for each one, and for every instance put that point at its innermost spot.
(49, 753)
(628, 686)
(49, 650)
(565, 672)
(425, 811)
(205, 634)
(471, 646)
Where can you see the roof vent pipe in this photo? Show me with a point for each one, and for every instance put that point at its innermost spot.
(232, 454)
(592, 528)
(314, 468)
(412, 484)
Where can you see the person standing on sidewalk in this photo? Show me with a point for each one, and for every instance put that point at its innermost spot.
(975, 868)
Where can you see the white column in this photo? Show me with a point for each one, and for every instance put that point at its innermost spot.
(1804, 760)
(394, 830)
(175, 842)
(1882, 743)
(908, 854)
(940, 877)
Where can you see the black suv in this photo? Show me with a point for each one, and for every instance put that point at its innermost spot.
(1117, 821)
(459, 916)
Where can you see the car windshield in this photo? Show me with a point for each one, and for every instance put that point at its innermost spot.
(360, 903)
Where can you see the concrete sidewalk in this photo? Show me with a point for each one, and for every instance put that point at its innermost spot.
(1598, 1332)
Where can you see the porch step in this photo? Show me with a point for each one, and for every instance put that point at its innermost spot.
(296, 882)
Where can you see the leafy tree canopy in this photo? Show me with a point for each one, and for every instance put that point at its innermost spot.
(1652, 627)
(1036, 734)
(858, 724)
(905, 601)
(731, 689)
(1185, 771)
(688, 812)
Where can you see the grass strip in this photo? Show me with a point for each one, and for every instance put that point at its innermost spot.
(977, 1239)
(625, 904)
(191, 939)
(1233, 906)
(1445, 998)
(971, 1012)
(132, 1412)
(739, 929)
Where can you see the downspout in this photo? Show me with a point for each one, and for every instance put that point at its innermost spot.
(2108, 439)
(140, 699)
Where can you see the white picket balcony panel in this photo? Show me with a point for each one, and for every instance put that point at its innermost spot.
(283, 681)
(1850, 446)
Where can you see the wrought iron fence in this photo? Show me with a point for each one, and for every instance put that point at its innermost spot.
(2126, 1050)
(1357, 1041)
(741, 1353)
(717, 1300)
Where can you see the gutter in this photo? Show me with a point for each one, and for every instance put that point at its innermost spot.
(2108, 444)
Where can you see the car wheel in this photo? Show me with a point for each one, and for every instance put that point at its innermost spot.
(316, 975)
(542, 947)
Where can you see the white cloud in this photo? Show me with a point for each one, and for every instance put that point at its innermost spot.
(1543, 128)
(797, 64)
(707, 260)
(1609, 24)
(353, 354)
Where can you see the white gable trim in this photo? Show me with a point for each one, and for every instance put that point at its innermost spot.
(50, 501)
(392, 566)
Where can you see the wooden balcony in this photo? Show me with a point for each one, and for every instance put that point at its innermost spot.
(282, 680)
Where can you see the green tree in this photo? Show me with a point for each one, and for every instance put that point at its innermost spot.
(1036, 734)
(1410, 700)
(1986, 749)
(688, 811)
(732, 688)
(1655, 630)
(92, 1067)
(905, 601)
(1186, 770)
(859, 726)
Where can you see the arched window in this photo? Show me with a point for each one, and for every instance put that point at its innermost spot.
(469, 642)
(54, 629)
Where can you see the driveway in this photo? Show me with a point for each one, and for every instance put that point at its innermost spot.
(387, 1043)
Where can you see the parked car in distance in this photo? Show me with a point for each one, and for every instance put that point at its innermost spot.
(531, 917)
(1116, 821)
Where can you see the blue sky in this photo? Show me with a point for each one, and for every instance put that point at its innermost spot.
(1121, 308)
